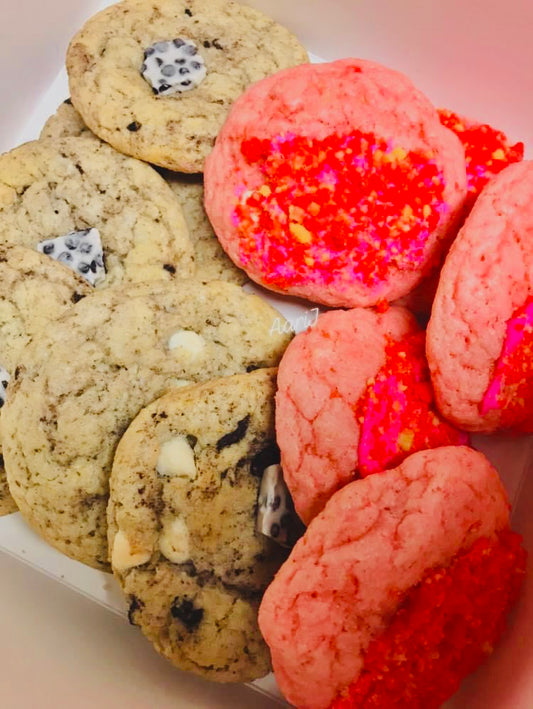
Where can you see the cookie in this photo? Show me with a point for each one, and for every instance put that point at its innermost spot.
(182, 518)
(335, 182)
(34, 290)
(211, 262)
(82, 382)
(51, 188)
(479, 338)
(487, 150)
(232, 45)
(354, 398)
(65, 122)
(398, 589)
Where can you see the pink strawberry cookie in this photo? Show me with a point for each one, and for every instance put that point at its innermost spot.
(487, 151)
(480, 334)
(335, 182)
(354, 398)
(399, 588)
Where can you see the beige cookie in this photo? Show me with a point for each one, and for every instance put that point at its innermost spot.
(81, 383)
(226, 47)
(34, 290)
(210, 260)
(50, 188)
(182, 519)
(64, 123)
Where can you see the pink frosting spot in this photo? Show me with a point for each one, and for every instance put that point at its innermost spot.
(511, 388)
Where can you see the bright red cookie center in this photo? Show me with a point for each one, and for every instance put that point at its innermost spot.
(348, 208)
(511, 389)
(444, 629)
(487, 150)
(397, 413)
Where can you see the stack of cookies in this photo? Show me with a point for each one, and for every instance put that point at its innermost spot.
(116, 291)
(147, 429)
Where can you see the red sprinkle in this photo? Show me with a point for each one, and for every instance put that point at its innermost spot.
(348, 207)
(397, 412)
(487, 150)
(511, 388)
(443, 631)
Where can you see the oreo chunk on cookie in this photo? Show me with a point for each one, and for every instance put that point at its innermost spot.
(173, 66)
(79, 250)
(182, 524)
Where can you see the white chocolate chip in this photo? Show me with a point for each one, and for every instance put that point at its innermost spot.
(187, 342)
(174, 541)
(176, 459)
(123, 557)
(178, 383)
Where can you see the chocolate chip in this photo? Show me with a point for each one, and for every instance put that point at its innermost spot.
(169, 267)
(48, 249)
(133, 126)
(191, 440)
(253, 367)
(234, 436)
(178, 42)
(262, 460)
(148, 52)
(188, 12)
(68, 102)
(159, 61)
(76, 297)
(163, 87)
(84, 268)
(185, 83)
(135, 605)
(207, 44)
(217, 45)
(183, 70)
(183, 610)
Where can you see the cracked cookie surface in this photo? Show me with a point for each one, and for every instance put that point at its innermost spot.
(82, 381)
(34, 290)
(239, 45)
(486, 280)
(49, 188)
(182, 515)
(373, 542)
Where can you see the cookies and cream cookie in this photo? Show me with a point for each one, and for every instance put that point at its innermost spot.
(182, 524)
(211, 261)
(156, 78)
(82, 381)
(79, 190)
(34, 290)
